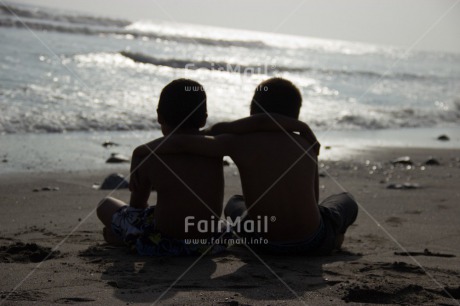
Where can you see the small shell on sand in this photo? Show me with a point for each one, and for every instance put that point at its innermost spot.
(116, 158)
(403, 160)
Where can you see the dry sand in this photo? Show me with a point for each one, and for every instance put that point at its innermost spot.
(372, 267)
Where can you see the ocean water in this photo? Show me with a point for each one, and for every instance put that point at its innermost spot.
(67, 72)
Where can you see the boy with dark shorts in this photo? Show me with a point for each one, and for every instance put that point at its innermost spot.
(279, 177)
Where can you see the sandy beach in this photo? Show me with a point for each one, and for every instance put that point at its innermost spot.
(373, 266)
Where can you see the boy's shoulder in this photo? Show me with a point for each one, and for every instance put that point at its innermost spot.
(147, 148)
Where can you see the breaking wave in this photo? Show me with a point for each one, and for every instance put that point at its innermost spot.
(259, 69)
(37, 19)
(372, 119)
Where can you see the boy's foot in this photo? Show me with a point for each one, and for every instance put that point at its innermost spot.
(110, 237)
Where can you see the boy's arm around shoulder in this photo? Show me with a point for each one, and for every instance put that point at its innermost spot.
(212, 146)
(267, 122)
(256, 123)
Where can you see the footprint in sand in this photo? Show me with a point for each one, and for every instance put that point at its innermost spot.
(26, 252)
(413, 212)
(22, 295)
(442, 206)
(387, 294)
(74, 300)
(395, 221)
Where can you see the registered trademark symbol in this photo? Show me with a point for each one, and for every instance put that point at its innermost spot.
(272, 218)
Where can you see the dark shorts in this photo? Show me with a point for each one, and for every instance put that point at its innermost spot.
(309, 245)
(337, 212)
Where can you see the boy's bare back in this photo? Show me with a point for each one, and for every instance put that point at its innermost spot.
(186, 185)
(279, 179)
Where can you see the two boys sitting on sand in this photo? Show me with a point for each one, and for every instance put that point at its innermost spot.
(278, 170)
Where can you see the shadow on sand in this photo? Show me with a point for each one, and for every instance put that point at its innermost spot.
(231, 278)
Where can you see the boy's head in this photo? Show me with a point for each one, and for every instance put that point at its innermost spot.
(277, 95)
(182, 103)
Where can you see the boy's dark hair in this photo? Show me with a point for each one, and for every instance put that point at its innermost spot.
(277, 95)
(183, 102)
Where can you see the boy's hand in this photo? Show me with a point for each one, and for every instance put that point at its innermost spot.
(220, 128)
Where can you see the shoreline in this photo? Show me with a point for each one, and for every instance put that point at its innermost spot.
(369, 269)
(76, 151)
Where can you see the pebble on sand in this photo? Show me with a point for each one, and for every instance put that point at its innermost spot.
(432, 162)
(403, 186)
(116, 158)
(47, 188)
(443, 138)
(114, 181)
(108, 144)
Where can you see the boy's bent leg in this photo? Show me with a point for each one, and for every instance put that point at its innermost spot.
(340, 211)
(105, 210)
(235, 207)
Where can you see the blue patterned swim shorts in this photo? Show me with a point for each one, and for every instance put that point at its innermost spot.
(136, 227)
